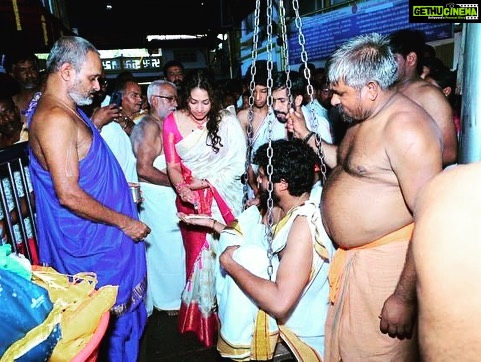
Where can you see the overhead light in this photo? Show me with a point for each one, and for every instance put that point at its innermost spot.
(175, 37)
(108, 6)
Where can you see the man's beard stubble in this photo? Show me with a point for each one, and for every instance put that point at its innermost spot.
(264, 196)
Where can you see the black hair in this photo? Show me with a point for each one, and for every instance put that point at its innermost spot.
(261, 75)
(405, 41)
(172, 63)
(298, 82)
(292, 160)
(203, 79)
(19, 55)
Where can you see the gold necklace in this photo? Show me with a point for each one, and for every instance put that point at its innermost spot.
(199, 125)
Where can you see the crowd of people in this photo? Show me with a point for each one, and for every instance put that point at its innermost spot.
(238, 193)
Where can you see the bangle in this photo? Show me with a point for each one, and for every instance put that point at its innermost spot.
(180, 186)
(308, 137)
(205, 183)
(213, 224)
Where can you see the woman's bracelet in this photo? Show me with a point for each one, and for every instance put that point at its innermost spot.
(180, 186)
(308, 136)
(213, 224)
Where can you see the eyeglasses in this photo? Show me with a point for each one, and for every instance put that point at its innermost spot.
(170, 98)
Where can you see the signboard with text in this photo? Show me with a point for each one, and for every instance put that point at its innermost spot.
(132, 64)
(323, 33)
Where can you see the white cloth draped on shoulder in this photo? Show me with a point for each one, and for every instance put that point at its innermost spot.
(237, 312)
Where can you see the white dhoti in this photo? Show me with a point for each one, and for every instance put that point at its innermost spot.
(164, 247)
(304, 330)
(237, 313)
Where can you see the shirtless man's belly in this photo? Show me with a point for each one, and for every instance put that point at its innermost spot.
(358, 210)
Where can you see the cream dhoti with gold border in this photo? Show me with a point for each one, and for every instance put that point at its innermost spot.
(164, 246)
(239, 317)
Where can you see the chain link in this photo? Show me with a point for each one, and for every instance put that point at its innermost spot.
(310, 92)
(270, 168)
(250, 112)
(285, 51)
(310, 89)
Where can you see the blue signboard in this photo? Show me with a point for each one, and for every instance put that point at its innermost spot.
(323, 33)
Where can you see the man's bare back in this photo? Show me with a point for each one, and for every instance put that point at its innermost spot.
(146, 140)
(369, 193)
(448, 233)
(437, 106)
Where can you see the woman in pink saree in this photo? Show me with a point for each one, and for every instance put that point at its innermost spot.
(205, 150)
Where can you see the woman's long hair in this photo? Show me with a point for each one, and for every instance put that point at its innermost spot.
(202, 79)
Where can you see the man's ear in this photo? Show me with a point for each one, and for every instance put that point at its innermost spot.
(373, 90)
(283, 185)
(412, 59)
(298, 102)
(66, 70)
(447, 91)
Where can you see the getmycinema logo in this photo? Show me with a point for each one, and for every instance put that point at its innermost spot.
(444, 13)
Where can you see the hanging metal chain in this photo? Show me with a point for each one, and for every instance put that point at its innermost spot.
(285, 51)
(302, 43)
(270, 187)
(310, 89)
(250, 112)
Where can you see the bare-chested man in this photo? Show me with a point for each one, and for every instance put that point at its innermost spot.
(165, 249)
(447, 251)
(408, 46)
(87, 220)
(391, 149)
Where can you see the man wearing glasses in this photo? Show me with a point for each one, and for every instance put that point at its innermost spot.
(165, 249)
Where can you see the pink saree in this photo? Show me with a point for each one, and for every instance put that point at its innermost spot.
(221, 200)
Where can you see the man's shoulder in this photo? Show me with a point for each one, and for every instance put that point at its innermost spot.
(147, 120)
(420, 89)
(48, 114)
(242, 115)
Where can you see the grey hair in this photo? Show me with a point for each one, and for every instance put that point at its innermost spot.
(155, 86)
(363, 59)
(69, 49)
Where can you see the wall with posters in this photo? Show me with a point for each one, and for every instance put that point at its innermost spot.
(323, 33)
